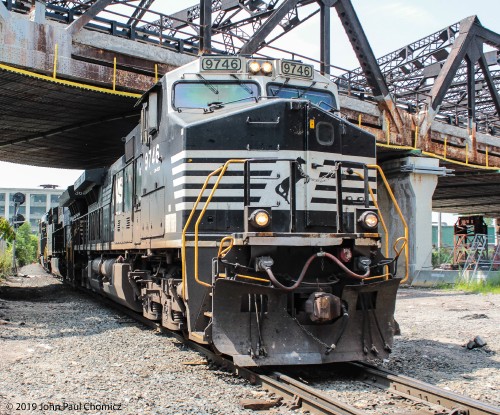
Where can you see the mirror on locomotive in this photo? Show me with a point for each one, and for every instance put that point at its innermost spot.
(150, 116)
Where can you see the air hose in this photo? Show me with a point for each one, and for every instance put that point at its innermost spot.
(279, 285)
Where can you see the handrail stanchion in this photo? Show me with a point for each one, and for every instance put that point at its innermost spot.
(382, 221)
(184, 231)
(202, 213)
(400, 214)
(220, 172)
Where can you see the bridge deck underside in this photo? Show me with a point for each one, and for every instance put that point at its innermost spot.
(49, 124)
(468, 192)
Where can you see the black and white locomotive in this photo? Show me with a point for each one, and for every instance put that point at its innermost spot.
(242, 213)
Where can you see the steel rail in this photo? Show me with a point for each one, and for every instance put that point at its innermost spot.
(312, 399)
(412, 388)
(284, 386)
(308, 398)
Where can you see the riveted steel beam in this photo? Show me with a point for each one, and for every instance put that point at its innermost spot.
(139, 12)
(205, 26)
(454, 61)
(324, 38)
(85, 18)
(259, 37)
(362, 48)
(490, 82)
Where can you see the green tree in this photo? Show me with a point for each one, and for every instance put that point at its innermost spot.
(26, 245)
(488, 221)
(6, 261)
(6, 231)
(7, 234)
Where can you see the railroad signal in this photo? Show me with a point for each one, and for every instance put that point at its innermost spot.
(18, 219)
(19, 198)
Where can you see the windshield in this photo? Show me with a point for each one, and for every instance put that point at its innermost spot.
(205, 93)
(323, 99)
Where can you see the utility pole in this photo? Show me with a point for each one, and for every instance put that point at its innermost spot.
(18, 199)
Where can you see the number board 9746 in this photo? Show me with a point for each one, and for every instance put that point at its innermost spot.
(296, 69)
(221, 64)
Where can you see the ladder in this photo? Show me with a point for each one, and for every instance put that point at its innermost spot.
(495, 261)
(476, 255)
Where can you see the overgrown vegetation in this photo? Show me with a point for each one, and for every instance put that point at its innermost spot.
(26, 246)
(6, 231)
(7, 234)
(5, 262)
(441, 255)
(492, 285)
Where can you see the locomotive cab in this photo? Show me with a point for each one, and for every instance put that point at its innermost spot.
(243, 213)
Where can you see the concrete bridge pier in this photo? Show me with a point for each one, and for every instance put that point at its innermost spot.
(413, 181)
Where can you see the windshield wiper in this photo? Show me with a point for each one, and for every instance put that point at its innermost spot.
(208, 84)
(217, 105)
(245, 87)
(305, 91)
(281, 87)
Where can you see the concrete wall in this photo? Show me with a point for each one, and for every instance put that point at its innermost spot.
(413, 192)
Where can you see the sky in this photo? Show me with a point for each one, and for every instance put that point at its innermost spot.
(388, 24)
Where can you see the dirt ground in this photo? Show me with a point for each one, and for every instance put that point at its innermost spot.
(51, 335)
(435, 327)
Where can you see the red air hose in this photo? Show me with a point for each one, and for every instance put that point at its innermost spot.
(277, 284)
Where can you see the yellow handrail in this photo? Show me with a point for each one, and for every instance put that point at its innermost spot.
(54, 70)
(395, 246)
(382, 221)
(223, 251)
(202, 213)
(394, 201)
(188, 222)
(220, 172)
(248, 277)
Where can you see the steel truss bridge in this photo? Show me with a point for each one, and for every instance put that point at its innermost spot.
(71, 71)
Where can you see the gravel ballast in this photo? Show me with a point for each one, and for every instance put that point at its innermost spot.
(57, 345)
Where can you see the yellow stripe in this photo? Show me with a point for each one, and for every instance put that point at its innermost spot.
(68, 83)
(461, 163)
(426, 153)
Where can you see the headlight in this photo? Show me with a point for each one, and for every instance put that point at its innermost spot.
(260, 218)
(254, 67)
(267, 67)
(368, 220)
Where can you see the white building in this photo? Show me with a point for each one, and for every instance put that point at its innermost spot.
(38, 202)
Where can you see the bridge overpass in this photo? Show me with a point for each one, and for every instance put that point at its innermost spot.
(72, 71)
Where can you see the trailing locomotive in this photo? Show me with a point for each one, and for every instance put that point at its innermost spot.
(242, 213)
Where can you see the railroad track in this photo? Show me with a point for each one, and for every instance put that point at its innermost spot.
(299, 394)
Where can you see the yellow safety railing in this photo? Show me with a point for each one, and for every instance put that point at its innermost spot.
(402, 239)
(400, 214)
(114, 74)
(64, 82)
(224, 249)
(220, 172)
(382, 221)
(54, 70)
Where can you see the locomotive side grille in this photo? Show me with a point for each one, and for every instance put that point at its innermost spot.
(128, 223)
